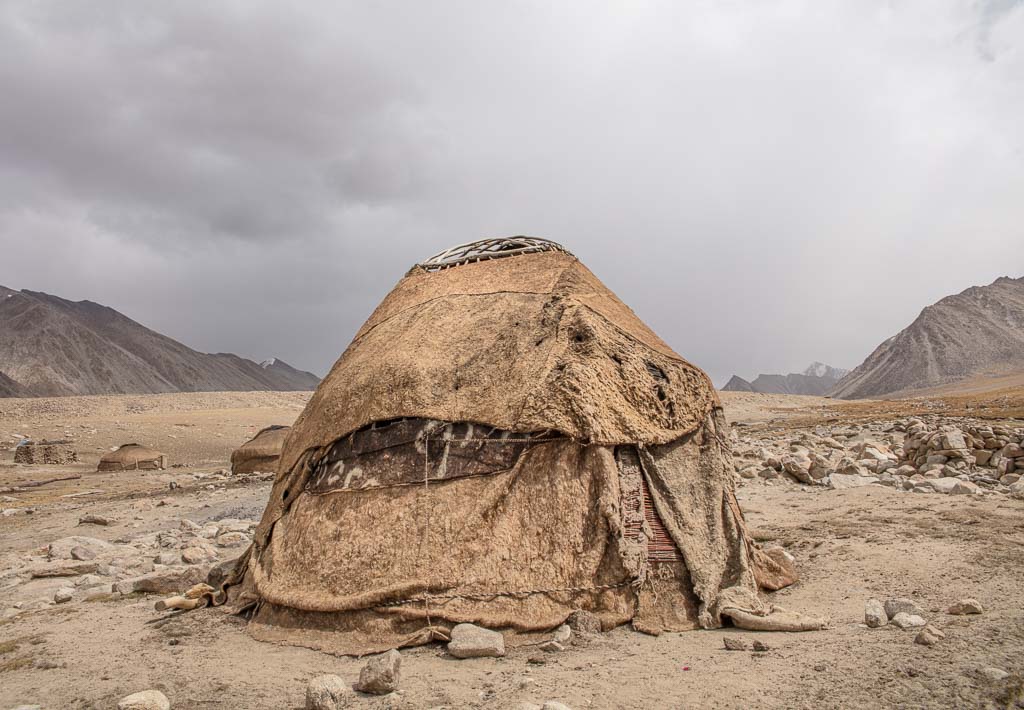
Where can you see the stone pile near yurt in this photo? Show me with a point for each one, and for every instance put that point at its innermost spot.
(925, 455)
(51, 453)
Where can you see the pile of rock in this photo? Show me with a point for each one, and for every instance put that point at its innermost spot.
(933, 455)
(50, 453)
(839, 457)
(77, 568)
(904, 614)
(953, 449)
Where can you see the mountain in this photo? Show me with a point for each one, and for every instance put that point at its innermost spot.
(737, 384)
(283, 372)
(10, 388)
(50, 346)
(817, 380)
(977, 332)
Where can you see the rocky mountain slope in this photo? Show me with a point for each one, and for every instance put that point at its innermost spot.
(977, 332)
(10, 388)
(50, 346)
(816, 380)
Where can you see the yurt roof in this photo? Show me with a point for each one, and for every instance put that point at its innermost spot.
(133, 452)
(267, 442)
(524, 338)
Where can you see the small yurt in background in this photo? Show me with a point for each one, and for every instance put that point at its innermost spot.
(133, 457)
(261, 453)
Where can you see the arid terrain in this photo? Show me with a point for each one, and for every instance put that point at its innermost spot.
(887, 537)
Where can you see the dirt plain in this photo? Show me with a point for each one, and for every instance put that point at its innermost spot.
(850, 545)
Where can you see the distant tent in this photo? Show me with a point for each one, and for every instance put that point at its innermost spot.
(260, 453)
(504, 442)
(133, 457)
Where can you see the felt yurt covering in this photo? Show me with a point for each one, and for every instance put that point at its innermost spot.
(132, 457)
(260, 453)
(504, 442)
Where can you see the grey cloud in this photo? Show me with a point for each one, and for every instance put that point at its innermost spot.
(766, 183)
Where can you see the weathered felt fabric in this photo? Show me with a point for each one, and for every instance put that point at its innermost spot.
(374, 550)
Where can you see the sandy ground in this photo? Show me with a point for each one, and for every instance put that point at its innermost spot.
(850, 545)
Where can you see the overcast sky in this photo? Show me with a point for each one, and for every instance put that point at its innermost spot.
(765, 183)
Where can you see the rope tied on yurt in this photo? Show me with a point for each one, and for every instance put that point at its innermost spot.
(486, 596)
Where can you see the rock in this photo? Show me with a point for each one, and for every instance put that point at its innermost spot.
(82, 554)
(167, 558)
(874, 614)
(381, 675)
(209, 531)
(221, 571)
(982, 457)
(1017, 490)
(551, 647)
(775, 568)
(146, 700)
(166, 581)
(761, 646)
(90, 580)
(61, 549)
(895, 606)
(28, 707)
(232, 539)
(849, 467)
(63, 569)
(840, 481)
(992, 674)
(563, 634)
(93, 520)
(903, 620)
(64, 594)
(470, 641)
(584, 622)
(186, 525)
(1009, 479)
(734, 643)
(554, 705)
(1012, 451)
(965, 606)
(965, 488)
(748, 470)
(929, 636)
(943, 485)
(327, 692)
(798, 467)
(195, 555)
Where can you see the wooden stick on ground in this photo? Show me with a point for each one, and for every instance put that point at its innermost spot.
(35, 484)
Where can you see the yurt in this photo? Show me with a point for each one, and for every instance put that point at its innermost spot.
(503, 443)
(261, 453)
(133, 457)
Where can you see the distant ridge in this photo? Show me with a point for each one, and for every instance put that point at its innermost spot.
(50, 346)
(979, 331)
(818, 379)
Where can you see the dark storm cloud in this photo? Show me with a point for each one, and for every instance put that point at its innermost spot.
(766, 183)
